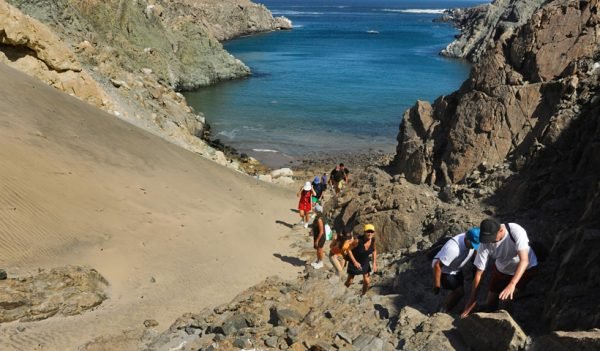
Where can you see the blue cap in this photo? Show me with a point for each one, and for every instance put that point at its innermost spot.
(473, 236)
(317, 180)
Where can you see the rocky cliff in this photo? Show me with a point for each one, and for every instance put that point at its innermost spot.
(531, 107)
(481, 26)
(131, 58)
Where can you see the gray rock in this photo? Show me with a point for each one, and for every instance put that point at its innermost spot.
(362, 341)
(347, 338)
(3, 274)
(477, 329)
(271, 341)
(235, 323)
(242, 343)
(278, 331)
(286, 317)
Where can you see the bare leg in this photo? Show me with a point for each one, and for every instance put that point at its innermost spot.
(301, 215)
(320, 254)
(366, 282)
(349, 280)
(336, 263)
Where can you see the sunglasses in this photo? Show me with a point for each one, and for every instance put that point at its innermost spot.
(370, 231)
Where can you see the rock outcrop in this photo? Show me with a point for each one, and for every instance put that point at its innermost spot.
(529, 110)
(230, 19)
(29, 46)
(481, 26)
(517, 99)
(64, 291)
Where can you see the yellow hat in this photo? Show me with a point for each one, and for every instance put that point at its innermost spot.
(369, 227)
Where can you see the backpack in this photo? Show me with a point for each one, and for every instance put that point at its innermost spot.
(539, 248)
(435, 249)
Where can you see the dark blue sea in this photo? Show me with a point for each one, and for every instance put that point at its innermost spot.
(340, 80)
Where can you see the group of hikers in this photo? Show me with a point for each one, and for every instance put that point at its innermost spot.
(505, 245)
(345, 250)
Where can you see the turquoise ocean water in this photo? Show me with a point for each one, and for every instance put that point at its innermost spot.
(340, 80)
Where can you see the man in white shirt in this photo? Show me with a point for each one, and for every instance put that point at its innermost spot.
(514, 262)
(447, 266)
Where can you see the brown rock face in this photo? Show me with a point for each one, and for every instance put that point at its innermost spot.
(510, 104)
(29, 46)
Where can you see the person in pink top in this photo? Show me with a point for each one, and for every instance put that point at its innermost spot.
(304, 205)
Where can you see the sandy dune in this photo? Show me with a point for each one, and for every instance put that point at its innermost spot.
(78, 186)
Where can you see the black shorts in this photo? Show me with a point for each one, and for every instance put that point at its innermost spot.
(365, 269)
(321, 242)
(452, 281)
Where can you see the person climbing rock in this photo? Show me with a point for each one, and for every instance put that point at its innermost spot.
(363, 250)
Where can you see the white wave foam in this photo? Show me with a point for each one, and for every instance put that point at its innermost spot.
(297, 26)
(417, 11)
(264, 150)
(294, 13)
(231, 134)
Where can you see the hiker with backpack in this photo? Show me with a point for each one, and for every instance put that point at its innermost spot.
(318, 231)
(515, 262)
(317, 186)
(447, 266)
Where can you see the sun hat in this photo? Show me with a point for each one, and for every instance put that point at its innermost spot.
(473, 236)
(317, 180)
(488, 229)
(369, 227)
(318, 208)
(307, 186)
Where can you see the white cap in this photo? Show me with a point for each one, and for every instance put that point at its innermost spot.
(307, 186)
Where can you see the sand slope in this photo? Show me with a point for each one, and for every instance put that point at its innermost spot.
(78, 186)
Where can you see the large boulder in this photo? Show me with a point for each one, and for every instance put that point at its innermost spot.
(492, 332)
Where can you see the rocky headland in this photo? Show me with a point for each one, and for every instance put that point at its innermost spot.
(132, 58)
(518, 141)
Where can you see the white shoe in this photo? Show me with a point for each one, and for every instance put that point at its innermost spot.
(318, 265)
(305, 225)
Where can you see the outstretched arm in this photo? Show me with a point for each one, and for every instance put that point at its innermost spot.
(374, 261)
(508, 292)
(437, 276)
(474, 290)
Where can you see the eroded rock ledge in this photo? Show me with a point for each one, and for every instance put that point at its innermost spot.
(64, 291)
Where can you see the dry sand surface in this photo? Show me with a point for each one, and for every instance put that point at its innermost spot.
(78, 186)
